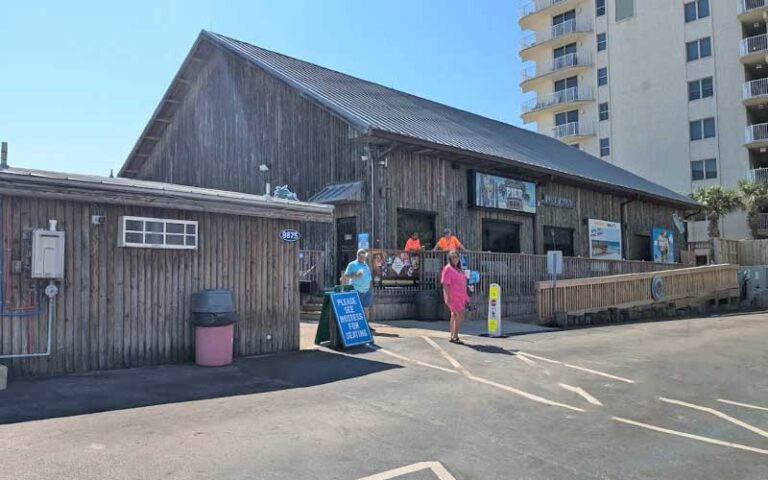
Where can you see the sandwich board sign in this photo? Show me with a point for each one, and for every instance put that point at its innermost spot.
(494, 310)
(350, 318)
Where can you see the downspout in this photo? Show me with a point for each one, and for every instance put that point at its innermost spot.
(374, 159)
(623, 218)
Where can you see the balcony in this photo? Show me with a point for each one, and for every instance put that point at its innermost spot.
(761, 224)
(751, 10)
(756, 136)
(755, 92)
(574, 131)
(757, 175)
(532, 9)
(565, 64)
(563, 32)
(569, 96)
(753, 50)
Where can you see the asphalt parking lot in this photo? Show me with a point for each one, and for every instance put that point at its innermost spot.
(683, 399)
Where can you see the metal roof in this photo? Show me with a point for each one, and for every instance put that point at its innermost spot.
(381, 111)
(39, 183)
(340, 193)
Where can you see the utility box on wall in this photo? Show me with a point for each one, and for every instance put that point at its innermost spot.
(47, 253)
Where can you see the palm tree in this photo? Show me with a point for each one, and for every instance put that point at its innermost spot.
(717, 202)
(753, 197)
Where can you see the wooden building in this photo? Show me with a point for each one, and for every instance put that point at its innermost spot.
(238, 117)
(134, 252)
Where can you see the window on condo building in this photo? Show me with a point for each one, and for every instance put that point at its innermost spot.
(696, 10)
(704, 169)
(624, 9)
(697, 49)
(602, 76)
(605, 147)
(701, 129)
(603, 111)
(701, 88)
(602, 42)
(599, 8)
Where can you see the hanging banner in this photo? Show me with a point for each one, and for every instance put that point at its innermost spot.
(494, 310)
(663, 245)
(395, 269)
(604, 239)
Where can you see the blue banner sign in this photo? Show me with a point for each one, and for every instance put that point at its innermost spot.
(350, 317)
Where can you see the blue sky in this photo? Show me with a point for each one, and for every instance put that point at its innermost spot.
(79, 80)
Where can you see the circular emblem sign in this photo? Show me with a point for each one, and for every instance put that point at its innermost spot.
(657, 288)
(289, 235)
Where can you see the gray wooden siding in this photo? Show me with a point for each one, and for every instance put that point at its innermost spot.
(127, 307)
(235, 118)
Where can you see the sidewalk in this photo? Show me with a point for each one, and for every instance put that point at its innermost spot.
(472, 327)
(440, 328)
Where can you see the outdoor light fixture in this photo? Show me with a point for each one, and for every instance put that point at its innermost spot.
(263, 167)
(364, 158)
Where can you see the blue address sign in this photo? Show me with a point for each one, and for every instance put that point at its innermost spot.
(350, 317)
(290, 235)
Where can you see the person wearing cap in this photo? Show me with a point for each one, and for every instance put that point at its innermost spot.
(358, 274)
(448, 242)
(413, 244)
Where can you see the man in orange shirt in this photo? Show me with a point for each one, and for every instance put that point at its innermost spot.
(448, 242)
(413, 243)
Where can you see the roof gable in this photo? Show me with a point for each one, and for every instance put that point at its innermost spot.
(375, 109)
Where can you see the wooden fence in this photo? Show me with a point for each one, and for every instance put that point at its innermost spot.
(517, 274)
(585, 295)
(741, 252)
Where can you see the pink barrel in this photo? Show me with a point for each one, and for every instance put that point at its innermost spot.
(213, 345)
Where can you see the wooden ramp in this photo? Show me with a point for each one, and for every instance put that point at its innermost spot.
(621, 295)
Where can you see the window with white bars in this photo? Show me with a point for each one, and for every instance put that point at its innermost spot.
(145, 232)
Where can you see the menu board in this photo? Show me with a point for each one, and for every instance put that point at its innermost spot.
(395, 269)
(491, 191)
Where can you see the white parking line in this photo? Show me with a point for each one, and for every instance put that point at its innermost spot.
(417, 362)
(576, 367)
(455, 363)
(746, 405)
(436, 467)
(529, 396)
(526, 360)
(583, 393)
(713, 441)
(717, 413)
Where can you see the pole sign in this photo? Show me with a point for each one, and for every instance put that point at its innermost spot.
(350, 317)
(555, 262)
(494, 310)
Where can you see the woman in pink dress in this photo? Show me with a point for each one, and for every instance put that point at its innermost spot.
(455, 293)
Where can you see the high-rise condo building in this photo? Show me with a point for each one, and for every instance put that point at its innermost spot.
(673, 90)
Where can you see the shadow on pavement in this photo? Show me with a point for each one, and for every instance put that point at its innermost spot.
(37, 399)
(491, 349)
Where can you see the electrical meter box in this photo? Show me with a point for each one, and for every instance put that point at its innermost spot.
(47, 253)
